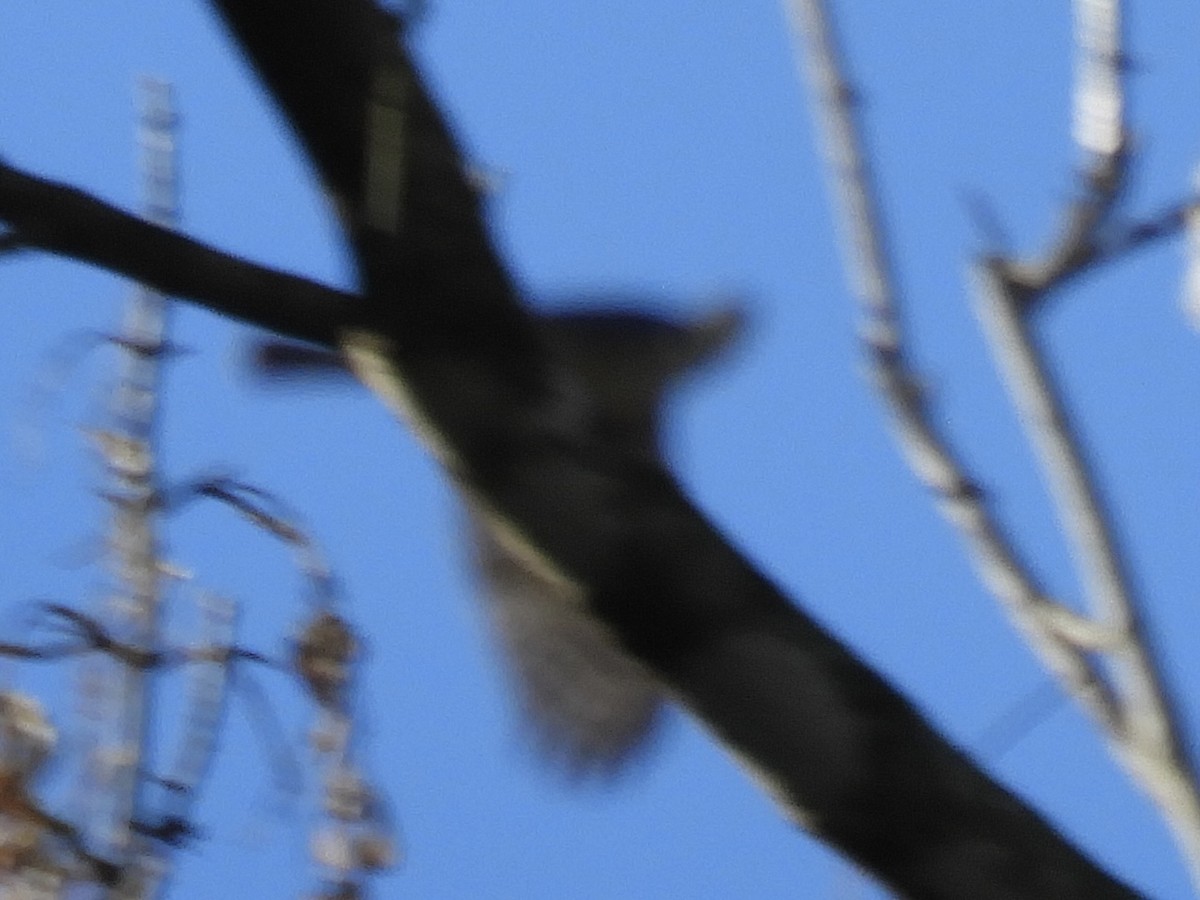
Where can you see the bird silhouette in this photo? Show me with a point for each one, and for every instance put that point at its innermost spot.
(590, 705)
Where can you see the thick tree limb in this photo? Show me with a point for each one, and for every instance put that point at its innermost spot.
(444, 336)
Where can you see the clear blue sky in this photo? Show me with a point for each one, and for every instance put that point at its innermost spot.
(646, 148)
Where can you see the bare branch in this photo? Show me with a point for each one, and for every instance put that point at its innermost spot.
(1101, 64)
(847, 756)
(69, 222)
(252, 503)
(1044, 622)
(133, 833)
(1133, 709)
(1102, 137)
(455, 348)
(133, 468)
(1146, 733)
(264, 722)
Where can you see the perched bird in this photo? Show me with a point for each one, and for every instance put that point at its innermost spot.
(589, 703)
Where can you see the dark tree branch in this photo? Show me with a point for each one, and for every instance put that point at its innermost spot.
(848, 757)
(70, 222)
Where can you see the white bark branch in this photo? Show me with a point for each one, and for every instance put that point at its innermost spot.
(1125, 693)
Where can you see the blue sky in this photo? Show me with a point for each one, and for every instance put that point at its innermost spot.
(642, 148)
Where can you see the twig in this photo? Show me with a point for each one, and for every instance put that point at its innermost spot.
(252, 503)
(208, 707)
